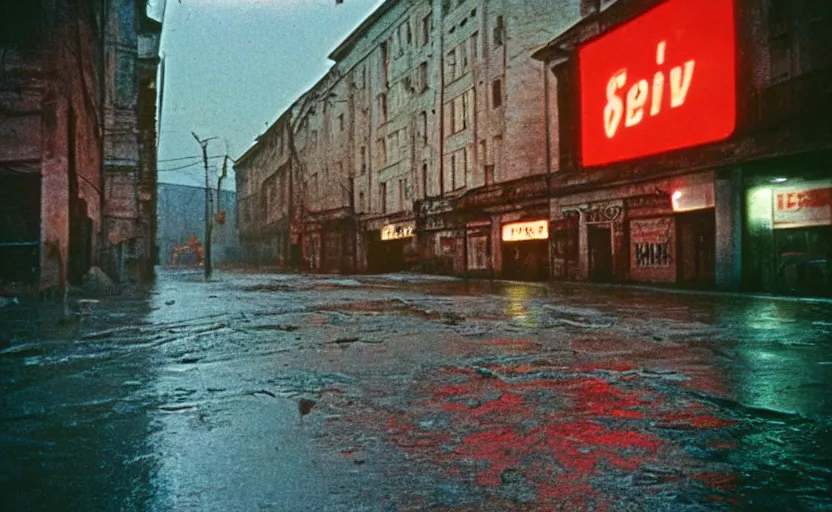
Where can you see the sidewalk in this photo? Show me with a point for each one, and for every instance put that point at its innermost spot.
(409, 276)
(704, 293)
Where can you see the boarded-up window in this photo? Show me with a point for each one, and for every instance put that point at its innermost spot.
(496, 93)
(126, 84)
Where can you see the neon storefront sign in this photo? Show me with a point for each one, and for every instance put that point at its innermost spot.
(663, 81)
(521, 231)
(397, 231)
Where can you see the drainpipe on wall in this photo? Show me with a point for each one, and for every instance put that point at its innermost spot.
(441, 100)
(546, 112)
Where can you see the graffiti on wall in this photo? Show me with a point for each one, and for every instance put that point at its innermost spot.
(651, 242)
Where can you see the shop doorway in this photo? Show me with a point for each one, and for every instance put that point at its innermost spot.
(20, 228)
(803, 260)
(600, 254)
(385, 256)
(332, 257)
(565, 252)
(80, 241)
(696, 233)
(526, 261)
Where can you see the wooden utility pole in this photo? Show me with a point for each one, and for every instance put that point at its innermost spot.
(208, 206)
(223, 175)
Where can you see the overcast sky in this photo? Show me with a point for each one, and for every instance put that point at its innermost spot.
(233, 66)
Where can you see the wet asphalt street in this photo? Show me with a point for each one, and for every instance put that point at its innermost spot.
(429, 394)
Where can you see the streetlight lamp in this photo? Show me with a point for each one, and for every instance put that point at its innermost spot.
(208, 205)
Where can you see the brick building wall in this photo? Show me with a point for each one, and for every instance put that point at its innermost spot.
(132, 58)
(50, 141)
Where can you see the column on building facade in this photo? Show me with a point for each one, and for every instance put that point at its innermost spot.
(132, 50)
(728, 196)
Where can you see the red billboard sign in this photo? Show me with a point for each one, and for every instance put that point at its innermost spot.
(663, 81)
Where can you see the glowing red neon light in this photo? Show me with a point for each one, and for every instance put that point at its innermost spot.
(663, 81)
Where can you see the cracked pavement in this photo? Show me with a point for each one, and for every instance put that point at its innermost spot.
(429, 393)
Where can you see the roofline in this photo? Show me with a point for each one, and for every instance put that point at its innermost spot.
(287, 114)
(556, 46)
(348, 44)
(593, 26)
(252, 149)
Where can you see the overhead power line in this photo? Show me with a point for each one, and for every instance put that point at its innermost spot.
(187, 158)
(180, 167)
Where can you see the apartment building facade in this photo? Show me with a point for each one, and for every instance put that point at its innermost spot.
(262, 206)
(410, 119)
(704, 164)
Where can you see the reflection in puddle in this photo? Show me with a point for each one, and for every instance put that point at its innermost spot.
(519, 297)
(560, 437)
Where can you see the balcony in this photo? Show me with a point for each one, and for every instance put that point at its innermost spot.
(148, 46)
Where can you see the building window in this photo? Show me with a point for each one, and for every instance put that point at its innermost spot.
(363, 160)
(450, 65)
(496, 93)
(393, 147)
(484, 154)
(425, 179)
(465, 109)
(382, 153)
(409, 33)
(125, 74)
(361, 202)
(463, 51)
(780, 57)
(406, 189)
(383, 197)
(450, 117)
(426, 30)
(341, 122)
(401, 195)
(497, 35)
(423, 77)
(382, 108)
(423, 127)
(359, 78)
(453, 172)
(820, 42)
(478, 252)
(313, 186)
(385, 61)
(474, 42)
(496, 155)
(458, 112)
(461, 172)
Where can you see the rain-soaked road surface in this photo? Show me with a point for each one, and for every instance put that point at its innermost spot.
(430, 393)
